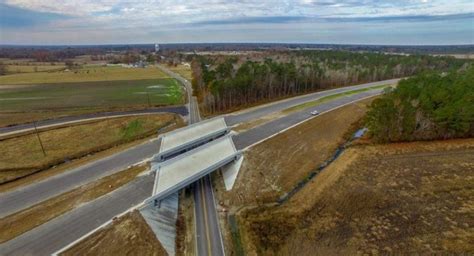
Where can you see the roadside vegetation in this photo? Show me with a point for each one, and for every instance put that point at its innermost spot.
(425, 107)
(224, 83)
(67, 143)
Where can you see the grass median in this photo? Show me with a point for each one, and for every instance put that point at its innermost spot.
(330, 97)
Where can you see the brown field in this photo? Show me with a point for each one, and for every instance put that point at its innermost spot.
(63, 144)
(12, 69)
(13, 225)
(84, 74)
(128, 235)
(407, 198)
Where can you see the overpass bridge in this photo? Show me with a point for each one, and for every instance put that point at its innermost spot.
(191, 153)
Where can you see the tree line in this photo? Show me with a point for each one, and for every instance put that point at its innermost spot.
(225, 83)
(425, 107)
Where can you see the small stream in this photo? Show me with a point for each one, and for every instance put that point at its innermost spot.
(359, 133)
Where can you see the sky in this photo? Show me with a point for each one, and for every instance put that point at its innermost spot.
(397, 22)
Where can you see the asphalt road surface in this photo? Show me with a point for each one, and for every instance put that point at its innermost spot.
(181, 110)
(208, 234)
(76, 223)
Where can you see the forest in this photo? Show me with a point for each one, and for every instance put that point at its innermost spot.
(425, 107)
(226, 83)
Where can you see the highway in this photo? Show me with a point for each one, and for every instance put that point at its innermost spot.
(208, 234)
(49, 123)
(76, 223)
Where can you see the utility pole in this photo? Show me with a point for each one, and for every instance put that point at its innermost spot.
(39, 139)
(148, 97)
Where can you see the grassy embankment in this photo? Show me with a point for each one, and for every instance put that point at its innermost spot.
(64, 144)
(35, 96)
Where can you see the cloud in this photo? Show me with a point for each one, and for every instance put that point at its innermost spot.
(172, 20)
(14, 17)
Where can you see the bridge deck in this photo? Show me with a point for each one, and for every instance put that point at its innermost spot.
(177, 173)
(191, 136)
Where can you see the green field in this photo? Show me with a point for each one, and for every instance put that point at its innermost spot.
(110, 94)
(30, 97)
(85, 74)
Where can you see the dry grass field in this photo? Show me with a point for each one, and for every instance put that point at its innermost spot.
(12, 69)
(85, 74)
(407, 198)
(184, 71)
(128, 235)
(64, 144)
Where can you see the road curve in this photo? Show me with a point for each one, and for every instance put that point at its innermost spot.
(10, 130)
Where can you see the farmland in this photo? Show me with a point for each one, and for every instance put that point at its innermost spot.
(73, 94)
(84, 74)
(81, 140)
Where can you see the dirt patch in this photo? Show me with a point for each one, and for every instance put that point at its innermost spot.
(128, 235)
(406, 198)
(20, 222)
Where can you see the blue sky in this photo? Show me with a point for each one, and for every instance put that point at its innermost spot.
(400, 22)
